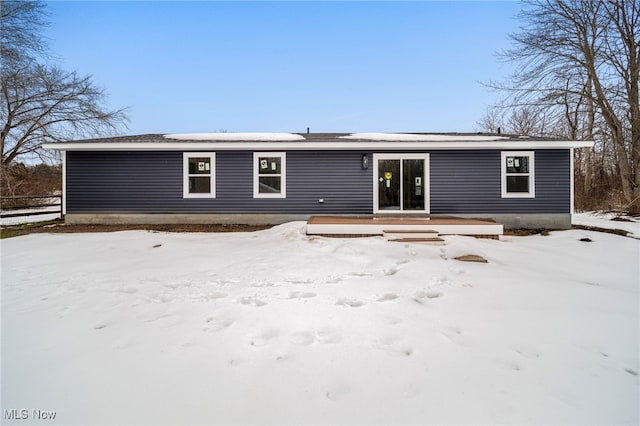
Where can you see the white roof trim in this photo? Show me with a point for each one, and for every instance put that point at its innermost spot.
(316, 146)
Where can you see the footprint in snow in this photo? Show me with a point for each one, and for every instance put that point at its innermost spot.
(333, 279)
(392, 320)
(443, 254)
(283, 357)
(301, 295)
(122, 344)
(160, 298)
(389, 343)
(390, 271)
(455, 335)
(205, 297)
(174, 286)
(264, 337)
(387, 297)
(213, 295)
(510, 364)
(127, 290)
(251, 301)
(359, 274)
(323, 335)
(337, 391)
(214, 324)
(262, 283)
(163, 320)
(421, 296)
(526, 352)
(455, 270)
(235, 362)
(438, 280)
(303, 338)
(328, 335)
(354, 303)
(298, 281)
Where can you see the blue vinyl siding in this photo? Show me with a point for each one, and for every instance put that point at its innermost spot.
(471, 183)
(461, 182)
(151, 182)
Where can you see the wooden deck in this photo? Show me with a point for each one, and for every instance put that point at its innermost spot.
(381, 225)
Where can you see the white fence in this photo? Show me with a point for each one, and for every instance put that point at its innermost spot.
(26, 209)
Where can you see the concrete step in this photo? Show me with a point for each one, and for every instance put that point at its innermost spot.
(434, 241)
(409, 231)
(417, 236)
(404, 234)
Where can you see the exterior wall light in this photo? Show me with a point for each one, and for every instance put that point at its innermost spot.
(365, 162)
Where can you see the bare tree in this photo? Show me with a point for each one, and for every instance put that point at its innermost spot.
(20, 33)
(39, 102)
(48, 104)
(523, 120)
(582, 58)
(492, 121)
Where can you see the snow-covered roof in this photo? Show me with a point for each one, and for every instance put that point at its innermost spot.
(223, 136)
(390, 137)
(421, 137)
(314, 141)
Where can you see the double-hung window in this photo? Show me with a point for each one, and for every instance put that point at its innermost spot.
(518, 180)
(199, 178)
(269, 175)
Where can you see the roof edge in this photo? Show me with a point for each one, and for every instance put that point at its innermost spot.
(316, 145)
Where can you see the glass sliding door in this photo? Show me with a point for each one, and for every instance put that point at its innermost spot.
(389, 184)
(413, 184)
(401, 183)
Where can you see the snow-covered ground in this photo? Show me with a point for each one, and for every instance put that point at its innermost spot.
(604, 220)
(275, 327)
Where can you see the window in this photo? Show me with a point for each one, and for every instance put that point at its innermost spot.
(269, 178)
(518, 179)
(199, 175)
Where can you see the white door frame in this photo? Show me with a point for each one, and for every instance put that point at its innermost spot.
(426, 185)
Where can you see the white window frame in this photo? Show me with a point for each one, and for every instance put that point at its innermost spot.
(186, 175)
(532, 179)
(282, 175)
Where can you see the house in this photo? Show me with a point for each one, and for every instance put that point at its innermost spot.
(273, 178)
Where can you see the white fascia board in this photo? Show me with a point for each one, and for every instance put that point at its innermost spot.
(572, 188)
(314, 146)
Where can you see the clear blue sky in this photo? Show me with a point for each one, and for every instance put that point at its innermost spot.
(285, 66)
